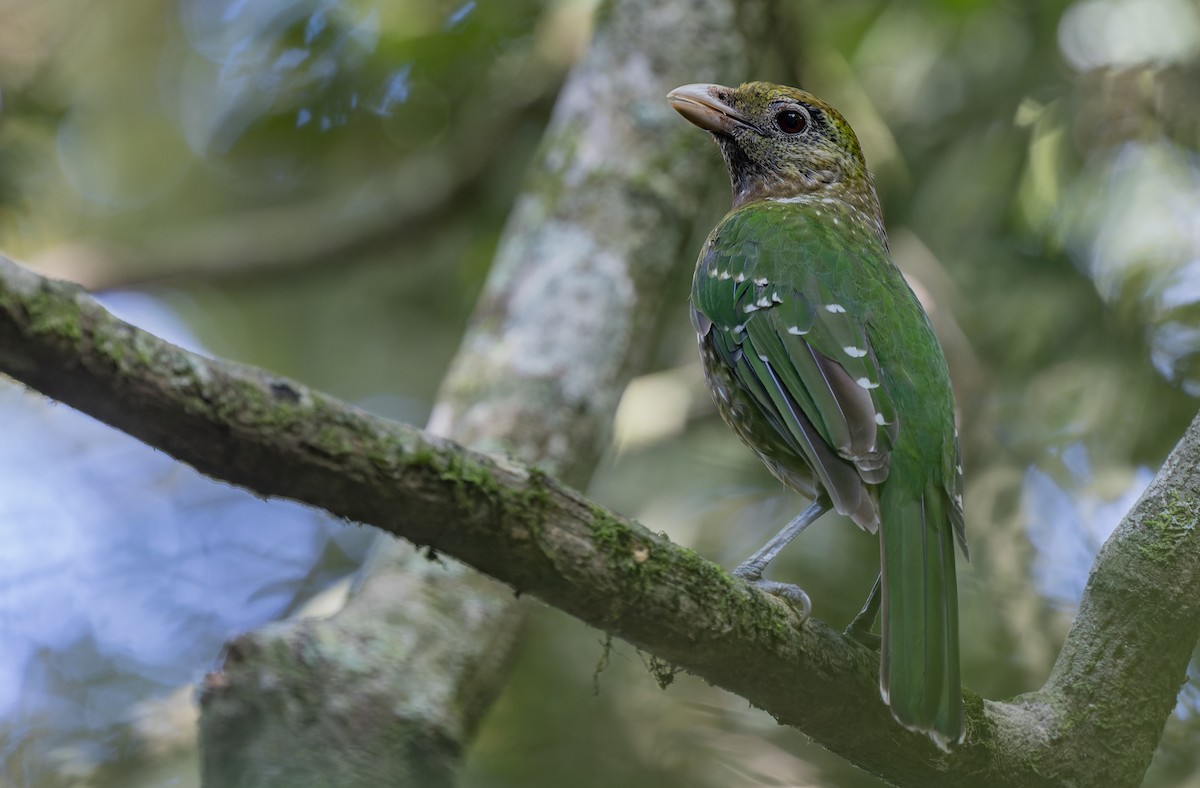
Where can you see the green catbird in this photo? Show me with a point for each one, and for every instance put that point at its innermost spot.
(822, 360)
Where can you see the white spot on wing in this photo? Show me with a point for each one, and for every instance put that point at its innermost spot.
(867, 384)
(854, 352)
(750, 308)
(880, 420)
(796, 330)
(741, 277)
(775, 297)
(724, 275)
(764, 302)
(761, 281)
(835, 308)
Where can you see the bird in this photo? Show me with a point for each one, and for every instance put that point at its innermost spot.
(821, 358)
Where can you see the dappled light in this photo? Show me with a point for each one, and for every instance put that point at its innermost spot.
(318, 187)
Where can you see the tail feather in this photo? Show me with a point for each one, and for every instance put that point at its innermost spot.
(919, 668)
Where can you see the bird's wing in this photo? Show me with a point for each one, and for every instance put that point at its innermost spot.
(802, 355)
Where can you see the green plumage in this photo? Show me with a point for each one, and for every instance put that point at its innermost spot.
(823, 361)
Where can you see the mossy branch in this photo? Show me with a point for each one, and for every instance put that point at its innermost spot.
(1139, 620)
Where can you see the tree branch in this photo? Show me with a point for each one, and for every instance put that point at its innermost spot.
(1139, 620)
(370, 217)
(600, 226)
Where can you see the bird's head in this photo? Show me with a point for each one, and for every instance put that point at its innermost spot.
(779, 142)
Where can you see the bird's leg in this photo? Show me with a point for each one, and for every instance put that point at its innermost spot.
(751, 570)
(753, 567)
(860, 627)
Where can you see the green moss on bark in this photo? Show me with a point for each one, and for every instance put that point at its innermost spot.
(1169, 528)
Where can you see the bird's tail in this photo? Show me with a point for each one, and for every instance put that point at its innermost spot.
(919, 669)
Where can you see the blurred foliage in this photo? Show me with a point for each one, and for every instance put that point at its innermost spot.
(317, 186)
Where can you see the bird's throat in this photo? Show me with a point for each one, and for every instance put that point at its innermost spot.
(752, 181)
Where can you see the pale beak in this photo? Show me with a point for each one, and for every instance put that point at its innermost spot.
(708, 107)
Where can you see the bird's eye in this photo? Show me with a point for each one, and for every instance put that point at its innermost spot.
(791, 121)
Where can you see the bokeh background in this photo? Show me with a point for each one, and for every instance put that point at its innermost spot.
(317, 187)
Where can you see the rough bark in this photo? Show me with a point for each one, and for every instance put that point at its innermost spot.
(559, 329)
(1095, 722)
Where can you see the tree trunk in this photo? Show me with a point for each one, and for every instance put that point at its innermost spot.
(418, 655)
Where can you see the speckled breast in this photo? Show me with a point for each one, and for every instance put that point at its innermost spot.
(741, 413)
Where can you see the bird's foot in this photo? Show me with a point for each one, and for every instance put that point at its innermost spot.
(860, 628)
(793, 594)
(868, 639)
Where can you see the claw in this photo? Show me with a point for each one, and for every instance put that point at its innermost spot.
(860, 628)
(788, 592)
(868, 639)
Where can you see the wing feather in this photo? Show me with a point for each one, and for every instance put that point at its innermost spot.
(803, 359)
